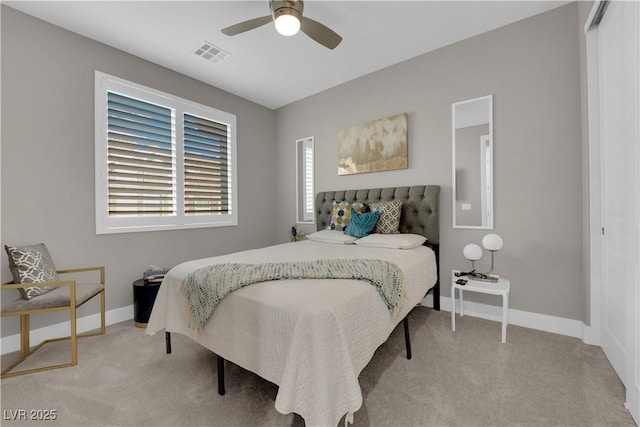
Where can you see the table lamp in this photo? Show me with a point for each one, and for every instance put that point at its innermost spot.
(472, 252)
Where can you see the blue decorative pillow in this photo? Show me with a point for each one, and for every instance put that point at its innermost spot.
(361, 224)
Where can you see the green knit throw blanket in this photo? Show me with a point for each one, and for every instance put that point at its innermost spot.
(204, 288)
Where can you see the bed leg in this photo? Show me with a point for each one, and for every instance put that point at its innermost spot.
(407, 339)
(167, 339)
(220, 375)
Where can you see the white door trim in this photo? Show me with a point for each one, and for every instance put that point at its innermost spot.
(595, 205)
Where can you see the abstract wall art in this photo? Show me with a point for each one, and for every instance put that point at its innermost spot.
(373, 146)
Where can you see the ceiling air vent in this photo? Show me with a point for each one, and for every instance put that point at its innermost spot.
(211, 53)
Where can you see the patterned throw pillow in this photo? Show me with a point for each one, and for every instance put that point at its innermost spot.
(32, 264)
(361, 224)
(342, 213)
(389, 221)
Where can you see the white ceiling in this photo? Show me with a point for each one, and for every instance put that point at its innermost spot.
(265, 67)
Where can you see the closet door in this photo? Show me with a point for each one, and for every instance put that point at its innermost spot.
(619, 94)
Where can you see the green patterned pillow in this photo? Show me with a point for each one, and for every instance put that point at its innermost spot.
(361, 224)
(32, 264)
(342, 214)
(390, 212)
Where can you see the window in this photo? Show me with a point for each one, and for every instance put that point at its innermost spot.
(162, 162)
(304, 183)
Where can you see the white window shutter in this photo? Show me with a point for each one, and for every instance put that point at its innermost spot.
(141, 158)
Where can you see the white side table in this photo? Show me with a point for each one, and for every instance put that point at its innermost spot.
(501, 287)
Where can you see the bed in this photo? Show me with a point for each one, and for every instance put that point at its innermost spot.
(311, 337)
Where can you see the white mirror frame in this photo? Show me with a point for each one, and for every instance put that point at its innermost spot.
(468, 113)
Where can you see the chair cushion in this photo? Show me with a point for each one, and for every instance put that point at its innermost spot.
(31, 264)
(58, 297)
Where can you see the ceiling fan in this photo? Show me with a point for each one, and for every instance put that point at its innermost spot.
(288, 19)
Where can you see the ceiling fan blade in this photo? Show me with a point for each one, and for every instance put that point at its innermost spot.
(246, 25)
(320, 33)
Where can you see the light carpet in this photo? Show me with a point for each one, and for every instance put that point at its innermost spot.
(462, 378)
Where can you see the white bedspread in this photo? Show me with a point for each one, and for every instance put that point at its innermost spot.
(310, 337)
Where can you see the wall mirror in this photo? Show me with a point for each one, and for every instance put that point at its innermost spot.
(472, 140)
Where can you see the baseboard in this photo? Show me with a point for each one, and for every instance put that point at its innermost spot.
(11, 343)
(541, 322)
(590, 335)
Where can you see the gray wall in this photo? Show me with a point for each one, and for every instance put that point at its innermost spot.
(533, 69)
(48, 159)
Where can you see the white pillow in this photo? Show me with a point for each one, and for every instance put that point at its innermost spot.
(332, 236)
(392, 241)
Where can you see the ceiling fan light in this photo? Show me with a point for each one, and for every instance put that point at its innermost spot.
(287, 25)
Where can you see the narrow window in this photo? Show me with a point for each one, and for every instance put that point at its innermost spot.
(305, 178)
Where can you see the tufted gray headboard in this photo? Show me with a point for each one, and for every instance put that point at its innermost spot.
(420, 207)
(420, 214)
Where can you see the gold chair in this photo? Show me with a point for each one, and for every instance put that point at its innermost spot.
(58, 299)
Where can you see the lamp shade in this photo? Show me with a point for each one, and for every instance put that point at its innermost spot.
(472, 252)
(287, 25)
(492, 242)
